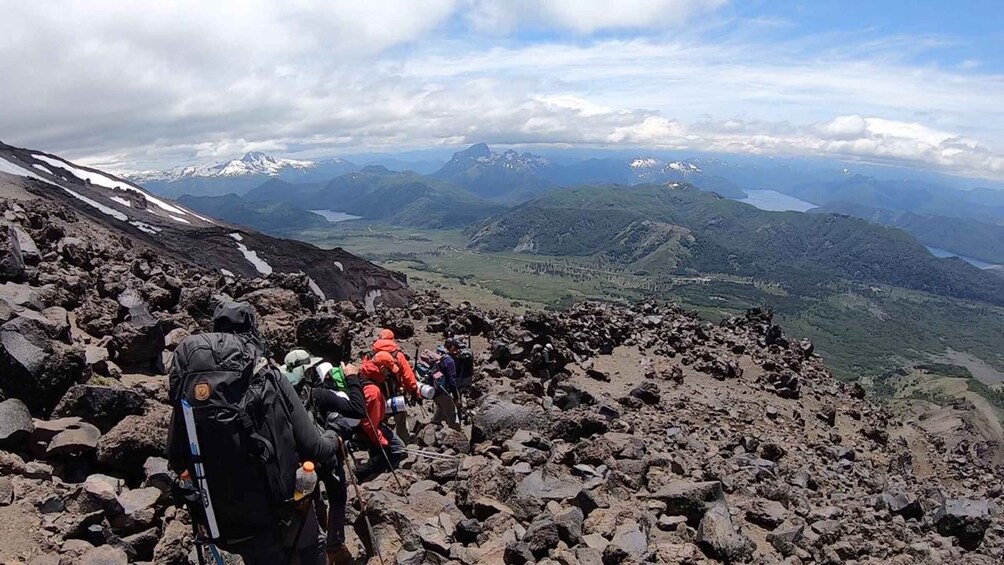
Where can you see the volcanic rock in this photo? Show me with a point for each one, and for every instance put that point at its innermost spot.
(15, 423)
(103, 406)
(719, 537)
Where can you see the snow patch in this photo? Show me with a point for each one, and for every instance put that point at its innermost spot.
(146, 228)
(227, 273)
(100, 179)
(237, 236)
(370, 301)
(316, 289)
(99, 206)
(182, 220)
(645, 163)
(17, 170)
(42, 168)
(339, 265)
(257, 262)
(121, 201)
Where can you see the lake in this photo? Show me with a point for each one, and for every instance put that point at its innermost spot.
(775, 201)
(334, 216)
(942, 253)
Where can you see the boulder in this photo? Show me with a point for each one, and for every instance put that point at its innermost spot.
(325, 335)
(6, 492)
(173, 546)
(12, 266)
(965, 519)
(139, 510)
(16, 425)
(29, 250)
(548, 486)
(138, 341)
(128, 445)
(569, 523)
(102, 491)
(104, 555)
(630, 540)
(498, 419)
(157, 473)
(690, 499)
(21, 295)
(103, 406)
(76, 439)
(720, 539)
(647, 392)
(767, 514)
(541, 536)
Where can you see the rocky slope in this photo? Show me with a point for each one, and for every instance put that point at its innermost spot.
(653, 436)
(107, 208)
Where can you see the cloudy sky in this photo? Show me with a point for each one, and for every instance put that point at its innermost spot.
(136, 85)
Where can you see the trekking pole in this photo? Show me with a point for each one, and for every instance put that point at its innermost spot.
(386, 457)
(362, 504)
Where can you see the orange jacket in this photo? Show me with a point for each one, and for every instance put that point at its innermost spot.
(376, 407)
(406, 375)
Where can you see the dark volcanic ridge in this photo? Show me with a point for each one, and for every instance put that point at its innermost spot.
(125, 213)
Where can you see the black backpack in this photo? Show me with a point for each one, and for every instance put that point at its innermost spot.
(244, 428)
(465, 368)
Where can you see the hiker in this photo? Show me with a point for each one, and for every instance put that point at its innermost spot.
(542, 360)
(405, 380)
(385, 448)
(463, 363)
(338, 398)
(440, 372)
(298, 368)
(251, 434)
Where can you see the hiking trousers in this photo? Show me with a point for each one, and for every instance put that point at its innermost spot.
(401, 426)
(377, 462)
(446, 411)
(338, 496)
(268, 549)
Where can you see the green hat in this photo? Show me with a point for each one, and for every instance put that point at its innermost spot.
(296, 364)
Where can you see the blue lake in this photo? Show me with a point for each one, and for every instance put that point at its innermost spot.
(974, 262)
(334, 216)
(775, 201)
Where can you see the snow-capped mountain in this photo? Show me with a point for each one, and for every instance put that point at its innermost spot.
(650, 169)
(118, 210)
(239, 175)
(506, 176)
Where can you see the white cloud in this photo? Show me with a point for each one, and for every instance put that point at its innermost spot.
(162, 84)
(584, 16)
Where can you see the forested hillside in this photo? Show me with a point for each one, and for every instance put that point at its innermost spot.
(802, 251)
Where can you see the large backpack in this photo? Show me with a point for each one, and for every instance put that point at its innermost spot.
(244, 427)
(465, 368)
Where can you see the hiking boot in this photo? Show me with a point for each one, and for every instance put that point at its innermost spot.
(339, 555)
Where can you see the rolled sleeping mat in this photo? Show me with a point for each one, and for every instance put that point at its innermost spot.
(427, 391)
(396, 405)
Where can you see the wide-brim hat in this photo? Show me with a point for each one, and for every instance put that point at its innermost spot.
(296, 364)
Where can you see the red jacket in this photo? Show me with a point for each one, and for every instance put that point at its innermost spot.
(376, 408)
(406, 375)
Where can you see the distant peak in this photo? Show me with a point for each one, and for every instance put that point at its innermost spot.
(376, 170)
(255, 156)
(476, 150)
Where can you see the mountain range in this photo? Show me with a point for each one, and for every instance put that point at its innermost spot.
(238, 175)
(118, 209)
(680, 230)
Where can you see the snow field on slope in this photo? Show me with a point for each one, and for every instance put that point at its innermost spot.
(106, 182)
